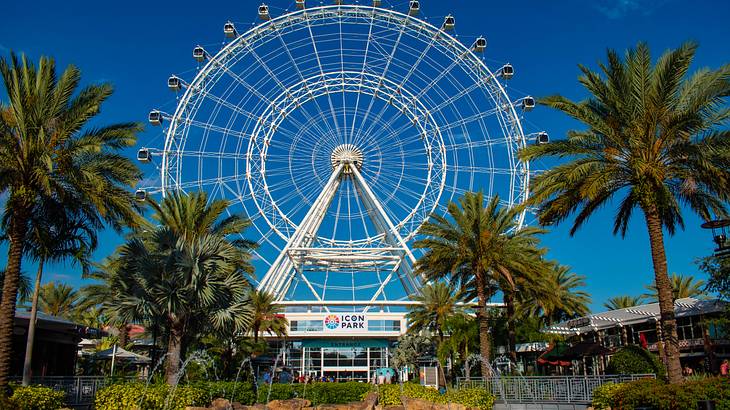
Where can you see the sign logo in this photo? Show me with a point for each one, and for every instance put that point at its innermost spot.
(345, 322)
(332, 322)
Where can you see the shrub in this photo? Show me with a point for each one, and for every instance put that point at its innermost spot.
(37, 398)
(239, 392)
(604, 394)
(635, 360)
(130, 396)
(389, 395)
(662, 396)
(317, 393)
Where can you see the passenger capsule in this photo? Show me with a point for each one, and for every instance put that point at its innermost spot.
(414, 7)
(528, 103)
(229, 29)
(507, 71)
(173, 83)
(264, 12)
(376, 3)
(199, 53)
(155, 118)
(479, 45)
(300, 4)
(140, 195)
(542, 138)
(143, 155)
(449, 22)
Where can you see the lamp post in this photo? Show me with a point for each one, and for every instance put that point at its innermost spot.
(720, 229)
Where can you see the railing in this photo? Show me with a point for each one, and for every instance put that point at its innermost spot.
(547, 389)
(80, 390)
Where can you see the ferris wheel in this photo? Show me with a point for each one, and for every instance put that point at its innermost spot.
(338, 130)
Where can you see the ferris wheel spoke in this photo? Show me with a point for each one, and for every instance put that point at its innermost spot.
(322, 73)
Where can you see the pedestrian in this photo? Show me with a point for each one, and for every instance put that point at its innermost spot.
(725, 368)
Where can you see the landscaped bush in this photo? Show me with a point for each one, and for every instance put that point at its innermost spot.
(635, 360)
(604, 394)
(130, 396)
(659, 395)
(238, 392)
(389, 395)
(124, 396)
(37, 398)
(317, 393)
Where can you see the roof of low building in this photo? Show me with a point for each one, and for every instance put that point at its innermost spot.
(636, 314)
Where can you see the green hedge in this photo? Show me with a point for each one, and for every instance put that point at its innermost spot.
(635, 360)
(317, 393)
(389, 395)
(36, 398)
(662, 396)
(130, 396)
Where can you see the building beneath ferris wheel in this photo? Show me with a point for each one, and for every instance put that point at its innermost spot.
(344, 346)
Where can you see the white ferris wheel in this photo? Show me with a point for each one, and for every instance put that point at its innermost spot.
(338, 130)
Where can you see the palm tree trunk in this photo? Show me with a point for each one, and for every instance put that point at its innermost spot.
(27, 367)
(17, 232)
(511, 328)
(485, 346)
(174, 348)
(664, 292)
(123, 335)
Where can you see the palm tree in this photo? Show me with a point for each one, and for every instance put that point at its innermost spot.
(46, 155)
(463, 340)
(682, 287)
(622, 302)
(267, 316)
(54, 237)
(655, 138)
(187, 272)
(57, 299)
(475, 249)
(437, 302)
(558, 299)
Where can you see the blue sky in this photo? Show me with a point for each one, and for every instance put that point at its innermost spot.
(136, 45)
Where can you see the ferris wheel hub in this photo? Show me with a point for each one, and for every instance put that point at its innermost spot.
(347, 154)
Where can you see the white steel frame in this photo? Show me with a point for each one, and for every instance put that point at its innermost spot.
(274, 96)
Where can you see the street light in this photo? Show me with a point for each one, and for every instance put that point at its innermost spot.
(720, 229)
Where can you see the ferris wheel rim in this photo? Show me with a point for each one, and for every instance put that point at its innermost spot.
(215, 60)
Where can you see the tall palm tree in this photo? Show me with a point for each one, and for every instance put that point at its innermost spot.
(46, 154)
(475, 248)
(55, 234)
(558, 299)
(57, 299)
(438, 301)
(655, 137)
(189, 273)
(623, 301)
(682, 287)
(267, 316)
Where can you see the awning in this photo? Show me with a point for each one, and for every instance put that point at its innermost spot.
(554, 355)
(586, 349)
(122, 354)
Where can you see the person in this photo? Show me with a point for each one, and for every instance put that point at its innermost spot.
(688, 370)
(267, 377)
(285, 376)
(725, 368)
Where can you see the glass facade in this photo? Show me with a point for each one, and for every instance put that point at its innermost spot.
(343, 360)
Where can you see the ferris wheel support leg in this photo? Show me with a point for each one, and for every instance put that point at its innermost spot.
(381, 219)
(279, 276)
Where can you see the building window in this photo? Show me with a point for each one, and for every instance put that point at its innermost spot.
(384, 325)
(305, 326)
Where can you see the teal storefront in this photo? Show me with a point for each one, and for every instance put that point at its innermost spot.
(341, 359)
